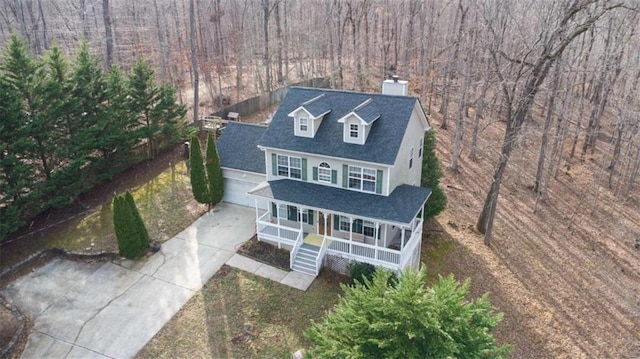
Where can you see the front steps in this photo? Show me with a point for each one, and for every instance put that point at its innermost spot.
(305, 260)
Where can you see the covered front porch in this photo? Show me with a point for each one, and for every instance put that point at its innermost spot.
(311, 232)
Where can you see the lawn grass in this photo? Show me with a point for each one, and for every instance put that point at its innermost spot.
(240, 315)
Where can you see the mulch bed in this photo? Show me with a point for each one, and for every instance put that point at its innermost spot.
(265, 253)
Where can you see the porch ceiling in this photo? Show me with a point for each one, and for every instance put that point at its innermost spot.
(401, 206)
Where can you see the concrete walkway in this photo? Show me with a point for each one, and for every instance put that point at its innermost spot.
(111, 310)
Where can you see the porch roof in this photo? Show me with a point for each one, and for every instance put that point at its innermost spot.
(400, 207)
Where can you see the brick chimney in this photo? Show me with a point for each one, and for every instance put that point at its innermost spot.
(395, 86)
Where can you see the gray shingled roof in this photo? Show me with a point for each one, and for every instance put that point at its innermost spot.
(400, 207)
(369, 112)
(238, 147)
(317, 107)
(382, 144)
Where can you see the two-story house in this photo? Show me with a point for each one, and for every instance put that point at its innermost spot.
(334, 177)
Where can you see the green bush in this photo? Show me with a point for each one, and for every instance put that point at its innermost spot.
(361, 271)
(408, 320)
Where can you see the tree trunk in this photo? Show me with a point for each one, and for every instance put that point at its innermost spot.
(537, 186)
(106, 15)
(194, 61)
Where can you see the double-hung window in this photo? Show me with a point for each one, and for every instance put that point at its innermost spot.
(411, 158)
(420, 147)
(304, 124)
(362, 179)
(368, 228)
(289, 166)
(345, 226)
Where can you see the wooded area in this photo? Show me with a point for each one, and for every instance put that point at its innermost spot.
(558, 80)
(67, 125)
(480, 62)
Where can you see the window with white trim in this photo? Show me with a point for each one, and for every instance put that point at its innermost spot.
(420, 147)
(345, 225)
(289, 166)
(305, 215)
(324, 172)
(368, 228)
(362, 179)
(353, 130)
(304, 124)
(411, 158)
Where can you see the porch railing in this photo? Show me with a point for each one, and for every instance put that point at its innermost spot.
(365, 252)
(276, 233)
(411, 246)
(295, 249)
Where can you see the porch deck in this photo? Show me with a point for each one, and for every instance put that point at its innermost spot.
(393, 258)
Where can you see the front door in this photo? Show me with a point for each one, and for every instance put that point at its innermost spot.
(321, 226)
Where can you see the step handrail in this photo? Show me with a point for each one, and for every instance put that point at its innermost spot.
(295, 249)
(321, 253)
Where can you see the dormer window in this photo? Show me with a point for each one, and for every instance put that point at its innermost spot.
(358, 122)
(304, 124)
(353, 130)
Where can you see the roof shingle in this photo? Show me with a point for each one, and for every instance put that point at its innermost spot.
(384, 139)
(238, 147)
(400, 207)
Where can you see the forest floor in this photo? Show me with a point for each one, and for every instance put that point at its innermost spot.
(566, 275)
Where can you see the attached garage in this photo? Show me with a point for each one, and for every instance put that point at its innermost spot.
(243, 166)
(238, 183)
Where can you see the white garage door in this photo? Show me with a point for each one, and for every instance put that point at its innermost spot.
(235, 191)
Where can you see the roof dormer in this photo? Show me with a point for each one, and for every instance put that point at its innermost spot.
(357, 123)
(307, 117)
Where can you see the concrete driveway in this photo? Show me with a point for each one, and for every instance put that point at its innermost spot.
(111, 310)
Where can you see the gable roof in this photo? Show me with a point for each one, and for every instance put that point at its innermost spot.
(367, 111)
(400, 207)
(238, 147)
(383, 142)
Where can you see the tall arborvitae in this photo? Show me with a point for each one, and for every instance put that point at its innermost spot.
(128, 243)
(431, 175)
(138, 223)
(130, 230)
(197, 173)
(214, 172)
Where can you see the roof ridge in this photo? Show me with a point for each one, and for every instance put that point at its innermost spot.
(353, 92)
(365, 103)
(312, 100)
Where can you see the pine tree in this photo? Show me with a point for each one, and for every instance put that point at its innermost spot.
(407, 320)
(197, 173)
(431, 174)
(214, 172)
(16, 173)
(115, 131)
(143, 94)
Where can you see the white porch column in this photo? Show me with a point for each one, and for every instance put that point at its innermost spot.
(402, 240)
(350, 234)
(375, 238)
(279, 215)
(300, 217)
(257, 213)
(324, 217)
